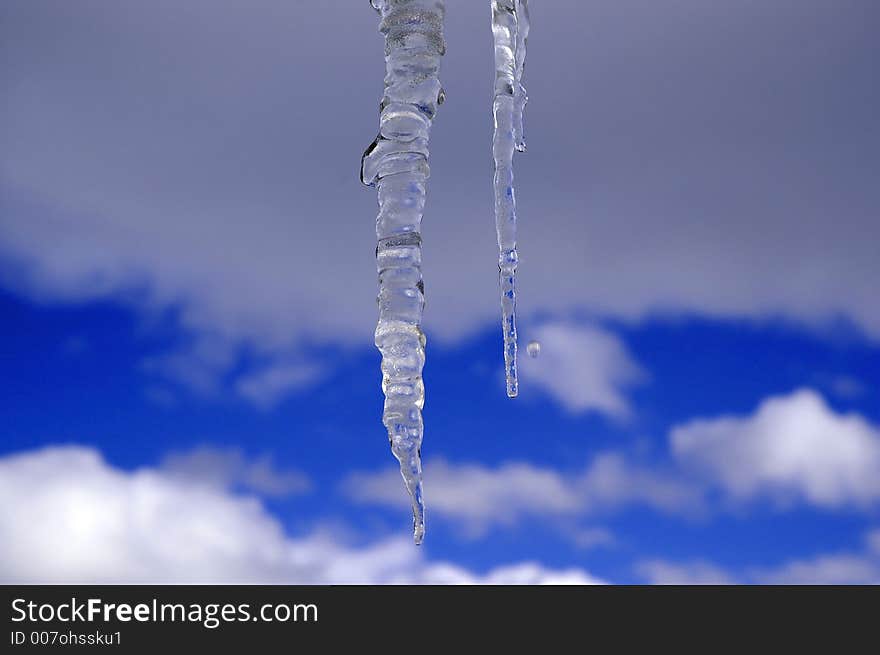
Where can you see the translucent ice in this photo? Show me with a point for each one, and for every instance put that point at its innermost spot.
(510, 29)
(396, 163)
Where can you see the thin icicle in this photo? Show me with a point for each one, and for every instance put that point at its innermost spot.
(510, 29)
(396, 163)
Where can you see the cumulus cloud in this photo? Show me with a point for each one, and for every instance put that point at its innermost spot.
(481, 497)
(199, 176)
(792, 447)
(69, 517)
(582, 366)
(231, 469)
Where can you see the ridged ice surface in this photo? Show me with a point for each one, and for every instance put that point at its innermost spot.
(510, 29)
(396, 163)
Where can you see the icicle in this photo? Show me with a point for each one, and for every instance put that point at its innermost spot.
(397, 164)
(510, 29)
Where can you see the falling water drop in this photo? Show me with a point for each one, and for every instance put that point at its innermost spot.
(534, 349)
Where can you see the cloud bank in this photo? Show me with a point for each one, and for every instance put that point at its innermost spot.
(200, 177)
(69, 517)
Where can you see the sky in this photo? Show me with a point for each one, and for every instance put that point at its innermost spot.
(190, 392)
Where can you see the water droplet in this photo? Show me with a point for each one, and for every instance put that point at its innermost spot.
(534, 349)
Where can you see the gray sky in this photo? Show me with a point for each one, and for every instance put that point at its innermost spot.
(707, 158)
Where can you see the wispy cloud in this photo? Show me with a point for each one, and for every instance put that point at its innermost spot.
(838, 569)
(204, 361)
(480, 497)
(846, 386)
(266, 387)
(589, 538)
(854, 567)
(697, 572)
(199, 364)
(231, 469)
(859, 566)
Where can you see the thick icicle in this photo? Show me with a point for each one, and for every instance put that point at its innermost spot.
(510, 29)
(396, 163)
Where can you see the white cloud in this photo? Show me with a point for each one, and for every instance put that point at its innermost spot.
(479, 497)
(69, 517)
(582, 366)
(230, 469)
(792, 447)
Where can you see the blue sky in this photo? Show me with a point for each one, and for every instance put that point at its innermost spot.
(75, 375)
(188, 296)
